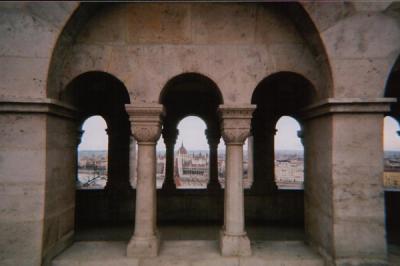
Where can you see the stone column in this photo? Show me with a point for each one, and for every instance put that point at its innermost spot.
(344, 197)
(264, 155)
(235, 127)
(78, 142)
(213, 138)
(132, 161)
(250, 162)
(170, 135)
(146, 127)
(118, 156)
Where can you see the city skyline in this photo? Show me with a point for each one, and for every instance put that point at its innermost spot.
(192, 135)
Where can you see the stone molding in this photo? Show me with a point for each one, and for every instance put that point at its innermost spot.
(346, 105)
(145, 121)
(37, 106)
(235, 122)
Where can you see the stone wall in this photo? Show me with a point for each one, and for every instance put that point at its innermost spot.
(61, 145)
(236, 50)
(22, 187)
(94, 207)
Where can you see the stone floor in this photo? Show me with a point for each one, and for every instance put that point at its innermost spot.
(188, 252)
(272, 245)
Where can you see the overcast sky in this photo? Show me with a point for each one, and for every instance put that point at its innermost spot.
(191, 134)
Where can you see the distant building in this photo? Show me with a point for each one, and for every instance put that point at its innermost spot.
(191, 170)
(289, 173)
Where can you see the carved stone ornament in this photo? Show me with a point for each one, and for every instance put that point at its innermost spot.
(145, 121)
(235, 122)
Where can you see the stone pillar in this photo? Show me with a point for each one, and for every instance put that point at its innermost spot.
(78, 142)
(170, 135)
(264, 155)
(213, 138)
(132, 161)
(344, 197)
(118, 156)
(235, 127)
(250, 162)
(146, 127)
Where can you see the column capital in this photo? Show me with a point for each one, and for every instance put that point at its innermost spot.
(145, 121)
(235, 122)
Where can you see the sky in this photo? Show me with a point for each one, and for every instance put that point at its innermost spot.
(391, 139)
(191, 134)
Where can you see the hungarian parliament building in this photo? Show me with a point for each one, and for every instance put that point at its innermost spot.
(191, 170)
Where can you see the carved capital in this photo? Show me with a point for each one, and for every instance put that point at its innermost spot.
(235, 122)
(145, 121)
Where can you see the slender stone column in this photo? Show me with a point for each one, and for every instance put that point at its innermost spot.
(235, 127)
(169, 135)
(213, 138)
(264, 154)
(78, 142)
(250, 162)
(118, 159)
(146, 127)
(132, 162)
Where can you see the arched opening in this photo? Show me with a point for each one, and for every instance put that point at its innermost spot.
(391, 176)
(191, 194)
(99, 94)
(289, 154)
(279, 98)
(191, 161)
(93, 154)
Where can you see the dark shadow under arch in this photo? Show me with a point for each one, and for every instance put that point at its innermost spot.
(392, 197)
(99, 93)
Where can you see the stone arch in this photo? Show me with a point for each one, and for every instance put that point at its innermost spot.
(179, 89)
(282, 93)
(190, 94)
(294, 45)
(278, 88)
(392, 218)
(100, 93)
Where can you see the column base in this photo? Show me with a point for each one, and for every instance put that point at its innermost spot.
(141, 247)
(234, 245)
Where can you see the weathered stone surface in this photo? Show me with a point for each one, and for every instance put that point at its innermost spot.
(23, 77)
(236, 45)
(167, 24)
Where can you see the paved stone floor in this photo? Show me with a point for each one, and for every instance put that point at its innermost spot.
(188, 252)
(272, 245)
